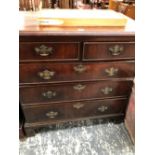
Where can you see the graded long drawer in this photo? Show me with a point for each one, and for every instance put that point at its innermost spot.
(40, 94)
(108, 50)
(51, 51)
(62, 111)
(57, 72)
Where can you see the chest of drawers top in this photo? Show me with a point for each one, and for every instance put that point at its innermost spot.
(30, 27)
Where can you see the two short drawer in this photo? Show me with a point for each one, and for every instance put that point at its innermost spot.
(62, 72)
(62, 111)
(72, 51)
(41, 94)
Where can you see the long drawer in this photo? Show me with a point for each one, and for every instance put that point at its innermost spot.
(108, 50)
(50, 51)
(39, 94)
(57, 72)
(62, 111)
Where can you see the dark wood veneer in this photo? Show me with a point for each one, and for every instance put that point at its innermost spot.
(65, 72)
(100, 51)
(61, 51)
(67, 92)
(67, 111)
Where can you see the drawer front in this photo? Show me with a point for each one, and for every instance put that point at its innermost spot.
(108, 50)
(73, 91)
(53, 72)
(53, 51)
(62, 111)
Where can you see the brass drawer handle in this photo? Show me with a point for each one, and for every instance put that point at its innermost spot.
(49, 94)
(52, 114)
(79, 87)
(111, 71)
(80, 68)
(44, 50)
(78, 105)
(106, 90)
(116, 50)
(102, 108)
(46, 74)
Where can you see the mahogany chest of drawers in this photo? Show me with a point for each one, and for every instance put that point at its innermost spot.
(68, 74)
